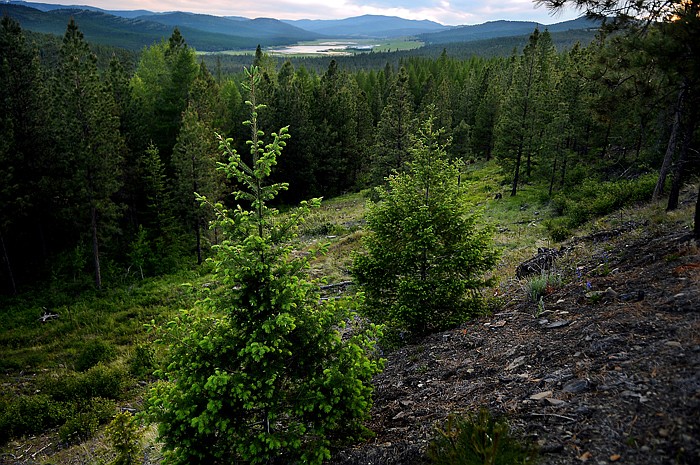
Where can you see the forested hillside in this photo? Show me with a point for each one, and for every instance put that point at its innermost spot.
(605, 112)
(116, 171)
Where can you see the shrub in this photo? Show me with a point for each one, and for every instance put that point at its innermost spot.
(94, 352)
(595, 198)
(84, 422)
(426, 252)
(30, 415)
(125, 437)
(79, 427)
(259, 373)
(478, 439)
(558, 230)
(142, 361)
(98, 381)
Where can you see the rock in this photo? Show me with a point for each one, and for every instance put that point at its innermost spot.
(558, 376)
(555, 402)
(674, 344)
(557, 324)
(541, 395)
(543, 261)
(576, 386)
(516, 363)
(632, 296)
(610, 293)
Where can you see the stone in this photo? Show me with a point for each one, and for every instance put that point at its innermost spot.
(541, 395)
(576, 386)
(555, 402)
(516, 363)
(557, 324)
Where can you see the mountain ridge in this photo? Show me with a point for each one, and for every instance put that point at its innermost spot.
(135, 29)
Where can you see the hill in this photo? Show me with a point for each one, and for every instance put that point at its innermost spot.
(605, 368)
(270, 30)
(136, 33)
(369, 26)
(135, 29)
(52, 6)
(499, 29)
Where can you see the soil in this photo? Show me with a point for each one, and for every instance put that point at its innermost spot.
(606, 369)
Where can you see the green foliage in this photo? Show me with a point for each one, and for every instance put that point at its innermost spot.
(595, 198)
(142, 362)
(259, 370)
(83, 423)
(94, 352)
(125, 437)
(478, 439)
(539, 286)
(30, 415)
(99, 381)
(426, 252)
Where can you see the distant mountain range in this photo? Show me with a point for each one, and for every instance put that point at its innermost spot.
(496, 29)
(135, 29)
(369, 26)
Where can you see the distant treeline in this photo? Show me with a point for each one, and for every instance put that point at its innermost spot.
(101, 151)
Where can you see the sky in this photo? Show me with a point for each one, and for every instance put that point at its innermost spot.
(448, 12)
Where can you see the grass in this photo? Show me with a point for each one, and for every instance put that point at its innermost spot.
(68, 374)
(103, 333)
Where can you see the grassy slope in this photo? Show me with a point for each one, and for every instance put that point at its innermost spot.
(31, 350)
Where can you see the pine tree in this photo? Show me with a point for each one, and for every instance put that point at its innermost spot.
(89, 144)
(336, 122)
(425, 253)
(518, 121)
(293, 100)
(22, 164)
(162, 84)
(260, 372)
(194, 162)
(396, 124)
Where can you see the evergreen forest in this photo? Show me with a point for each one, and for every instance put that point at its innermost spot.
(119, 169)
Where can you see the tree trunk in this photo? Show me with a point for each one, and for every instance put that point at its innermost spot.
(516, 176)
(696, 228)
(95, 248)
(606, 141)
(10, 274)
(678, 173)
(554, 174)
(198, 233)
(671, 147)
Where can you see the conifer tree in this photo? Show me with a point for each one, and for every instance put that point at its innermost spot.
(259, 372)
(161, 84)
(22, 164)
(396, 124)
(194, 162)
(336, 122)
(518, 119)
(425, 252)
(90, 146)
(293, 99)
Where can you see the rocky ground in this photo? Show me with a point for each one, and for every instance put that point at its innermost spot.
(606, 369)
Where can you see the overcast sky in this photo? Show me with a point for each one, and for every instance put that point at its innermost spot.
(449, 12)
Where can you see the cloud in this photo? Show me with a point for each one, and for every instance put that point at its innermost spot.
(450, 12)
